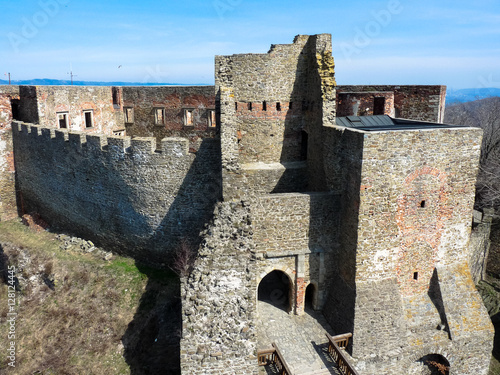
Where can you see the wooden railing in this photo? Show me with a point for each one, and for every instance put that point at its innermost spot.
(273, 356)
(266, 356)
(341, 340)
(335, 346)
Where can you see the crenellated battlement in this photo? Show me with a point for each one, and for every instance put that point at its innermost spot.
(169, 146)
(134, 195)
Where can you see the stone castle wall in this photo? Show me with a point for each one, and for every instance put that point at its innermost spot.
(268, 102)
(8, 205)
(74, 100)
(219, 299)
(420, 102)
(290, 223)
(408, 237)
(131, 195)
(377, 221)
(172, 101)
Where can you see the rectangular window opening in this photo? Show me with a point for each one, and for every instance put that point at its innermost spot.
(15, 103)
(89, 118)
(415, 275)
(116, 97)
(278, 106)
(188, 117)
(264, 106)
(250, 106)
(129, 115)
(378, 106)
(159, 116)
(62, 120)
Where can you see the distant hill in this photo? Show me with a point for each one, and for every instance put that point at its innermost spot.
(452, 96)
(469, 95)
(58, 82)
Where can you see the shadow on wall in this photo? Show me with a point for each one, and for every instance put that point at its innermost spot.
(341, 290)
(295, 137)
(437, 299)
(152, 339)
(123, 205)
(495, 319)
(194, 202)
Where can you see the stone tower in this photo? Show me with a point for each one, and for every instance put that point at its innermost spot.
(402, 283)
(373, 213)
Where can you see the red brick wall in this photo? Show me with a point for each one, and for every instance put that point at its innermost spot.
(418, 102)
(173, 100)
(362, 103)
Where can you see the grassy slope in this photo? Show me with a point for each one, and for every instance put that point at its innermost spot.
(79, 314)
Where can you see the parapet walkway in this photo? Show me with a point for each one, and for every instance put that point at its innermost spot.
(301, 339)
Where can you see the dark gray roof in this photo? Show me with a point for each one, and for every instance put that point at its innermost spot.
(383, 122)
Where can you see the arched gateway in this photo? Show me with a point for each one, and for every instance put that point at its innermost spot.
(276, 288)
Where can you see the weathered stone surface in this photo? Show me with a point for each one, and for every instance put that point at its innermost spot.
(124, 194)
(371, 227)
(218, 298)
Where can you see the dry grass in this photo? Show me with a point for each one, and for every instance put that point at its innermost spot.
(75, 313)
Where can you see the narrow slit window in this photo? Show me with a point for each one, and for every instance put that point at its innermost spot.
(116, 97)
(89, 118)
(188, 117)
(211, 118)
(249, 106)
(264, 106)
(236, 106)
(62, 120)
(415, 275)
(278, 106)
(422, 204)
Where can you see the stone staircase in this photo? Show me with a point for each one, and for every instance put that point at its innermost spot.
(301, 340)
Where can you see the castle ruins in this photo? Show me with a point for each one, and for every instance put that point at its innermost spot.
(355, 199)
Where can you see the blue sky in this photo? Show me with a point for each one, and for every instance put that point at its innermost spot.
(455, 43)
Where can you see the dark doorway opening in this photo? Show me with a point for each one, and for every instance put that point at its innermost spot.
(275, 289)
(436, 363)
(310, 295)
(116, 97)
(14, 103)
(379, 106)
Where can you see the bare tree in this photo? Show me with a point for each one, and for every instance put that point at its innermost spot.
(184, 259)
(485, 114)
